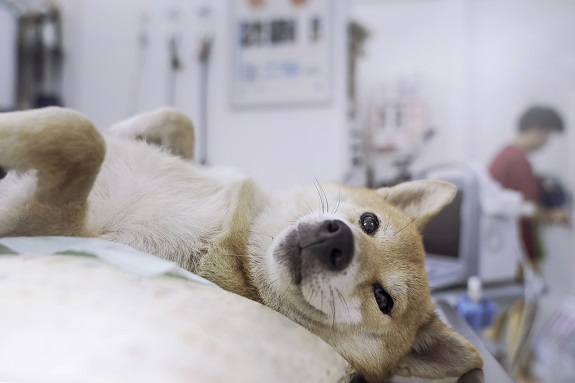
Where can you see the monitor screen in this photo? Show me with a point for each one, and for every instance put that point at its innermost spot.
(442, 233)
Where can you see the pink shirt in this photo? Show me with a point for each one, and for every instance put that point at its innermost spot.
(511, 168)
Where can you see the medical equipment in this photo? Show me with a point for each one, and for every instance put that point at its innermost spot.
(477, 234)
(38, 53)
(451, 238)
(477, 310)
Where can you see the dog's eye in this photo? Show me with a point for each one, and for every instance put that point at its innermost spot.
(369, 223)
(383, 299)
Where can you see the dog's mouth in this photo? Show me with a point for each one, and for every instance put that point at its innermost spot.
(319, 247)
(289, 255)
(314, 259)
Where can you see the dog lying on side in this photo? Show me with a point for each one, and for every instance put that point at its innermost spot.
(346, 263)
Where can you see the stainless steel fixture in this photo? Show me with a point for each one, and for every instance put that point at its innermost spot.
(38, 53)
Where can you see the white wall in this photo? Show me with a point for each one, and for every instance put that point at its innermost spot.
(283, 146)
(279, 146)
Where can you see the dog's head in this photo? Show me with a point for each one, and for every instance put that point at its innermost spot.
(351, 268)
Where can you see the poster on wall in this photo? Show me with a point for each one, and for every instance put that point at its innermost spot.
(281, 52)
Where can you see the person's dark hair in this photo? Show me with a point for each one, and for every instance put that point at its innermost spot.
(541, 117)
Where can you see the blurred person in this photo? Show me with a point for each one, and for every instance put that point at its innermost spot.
(512, 169)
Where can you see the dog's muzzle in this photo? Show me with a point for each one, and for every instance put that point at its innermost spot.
(320, 246)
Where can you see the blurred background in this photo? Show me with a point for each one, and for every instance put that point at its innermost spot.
(368, 92)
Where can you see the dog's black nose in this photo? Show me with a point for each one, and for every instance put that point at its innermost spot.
(333, 245)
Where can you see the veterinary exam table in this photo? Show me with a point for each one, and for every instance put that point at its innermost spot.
(94, 311)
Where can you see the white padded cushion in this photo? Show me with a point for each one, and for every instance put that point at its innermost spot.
(76, 319)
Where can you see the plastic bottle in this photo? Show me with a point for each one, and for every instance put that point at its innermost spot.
(477, 310)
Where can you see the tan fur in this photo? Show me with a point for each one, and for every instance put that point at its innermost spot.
(223, 227)
(165, 127)
(226, 262)
(67, 152)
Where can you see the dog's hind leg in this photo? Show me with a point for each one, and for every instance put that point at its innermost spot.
(66, 151)
(166, 127)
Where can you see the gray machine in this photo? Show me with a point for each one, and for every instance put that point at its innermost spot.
(477, 234)
(451, 238)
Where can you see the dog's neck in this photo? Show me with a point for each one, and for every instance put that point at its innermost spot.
(227, 262)
(226, 265)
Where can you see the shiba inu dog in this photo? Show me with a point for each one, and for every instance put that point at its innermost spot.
(346, 263)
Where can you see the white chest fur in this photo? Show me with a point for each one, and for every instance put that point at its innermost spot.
(159, 204)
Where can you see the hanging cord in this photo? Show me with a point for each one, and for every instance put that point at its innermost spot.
(174, 56)
(204, 58)
(143, 41)
(174, 44)
(204, 55)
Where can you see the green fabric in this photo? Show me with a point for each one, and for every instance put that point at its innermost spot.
(6, 250)
(540, 250)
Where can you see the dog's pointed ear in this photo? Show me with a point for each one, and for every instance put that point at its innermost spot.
(421, 199)
(439, 352)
